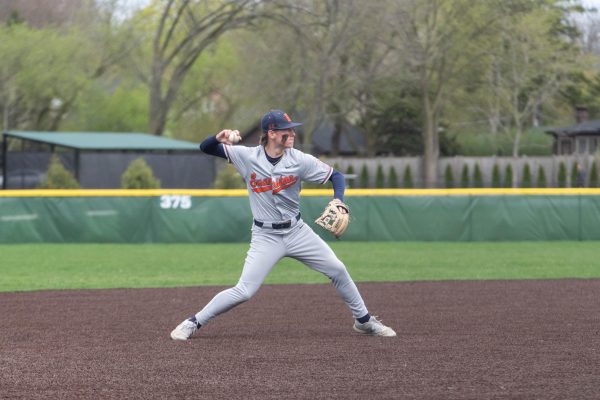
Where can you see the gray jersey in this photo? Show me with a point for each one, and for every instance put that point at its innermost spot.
(274, 190)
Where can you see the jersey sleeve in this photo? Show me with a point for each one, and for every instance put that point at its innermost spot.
(314, 170)
(238, 156)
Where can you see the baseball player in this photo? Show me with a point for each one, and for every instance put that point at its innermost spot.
(273, 172)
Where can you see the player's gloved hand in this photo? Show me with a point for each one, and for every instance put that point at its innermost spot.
(335, 218)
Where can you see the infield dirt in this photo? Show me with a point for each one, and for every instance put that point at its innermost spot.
(456, 340)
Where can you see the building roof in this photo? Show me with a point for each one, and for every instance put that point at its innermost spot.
(104, 140)
(589, 127)
(352, 140)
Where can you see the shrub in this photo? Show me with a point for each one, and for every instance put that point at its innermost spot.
(392, 178)
(562, 175)
(139, 175)
(351, 181)
(58, 177)
(496, 180)
(541, 178)
(594, 175)
(477, 177)
(574, 175)
(464, 177)
(407, 180)
(228, 178)
(379, 177)
(526, 182)
(508, 176)
(364, 176)
(449, 177)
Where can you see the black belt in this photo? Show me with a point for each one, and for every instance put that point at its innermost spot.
(277, 225)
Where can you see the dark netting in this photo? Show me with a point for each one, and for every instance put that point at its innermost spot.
(103, 170)
(179, 170)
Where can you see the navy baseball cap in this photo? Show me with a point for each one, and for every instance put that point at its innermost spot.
(277, 119)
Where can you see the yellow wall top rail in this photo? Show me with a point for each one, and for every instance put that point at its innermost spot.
(305, 192)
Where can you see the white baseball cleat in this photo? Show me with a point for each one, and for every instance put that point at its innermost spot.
(184, 330)
(373, 327)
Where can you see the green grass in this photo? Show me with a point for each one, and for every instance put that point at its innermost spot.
(73, 266)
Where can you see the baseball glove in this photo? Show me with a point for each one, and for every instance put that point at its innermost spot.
(335, 217)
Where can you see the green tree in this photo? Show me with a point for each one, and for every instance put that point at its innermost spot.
(58, 177)
(526, 181)
(350, 176)
(364, 176)
(392, 178)
(47, 66)
(393, 112)
(97, 110)
(229, 178)
(40, 83)
(574, 175)
(464, 177)
(407, 179)
(530, 58)
(184, 31)
(541, 178)
(139, 175)
(508, 176)
(442, 32)
(449, 177)
(594, 175)
(379, 177)
(206, 99)
(562, 175)
(477, 177)
(496, 180)
(340, 52)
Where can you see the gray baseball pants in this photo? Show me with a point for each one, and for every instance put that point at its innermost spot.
(266, 249)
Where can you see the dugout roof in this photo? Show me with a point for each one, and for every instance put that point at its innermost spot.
(103, 140)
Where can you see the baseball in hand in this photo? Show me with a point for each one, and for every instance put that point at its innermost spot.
(234, 136)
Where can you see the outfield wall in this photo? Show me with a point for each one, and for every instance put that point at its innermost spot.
(193, 216)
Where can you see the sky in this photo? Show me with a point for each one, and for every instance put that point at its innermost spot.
(125, 7)
(591, 3)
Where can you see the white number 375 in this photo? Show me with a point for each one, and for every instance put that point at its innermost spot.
(170, 201)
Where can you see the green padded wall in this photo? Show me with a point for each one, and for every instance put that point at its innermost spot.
(147, 217)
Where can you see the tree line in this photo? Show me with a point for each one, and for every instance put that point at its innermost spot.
(416, 76)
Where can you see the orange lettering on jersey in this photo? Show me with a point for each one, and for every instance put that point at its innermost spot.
(267, 184)
(284, 182)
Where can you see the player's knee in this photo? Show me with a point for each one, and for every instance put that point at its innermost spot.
(338, 272)
(244, 292)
